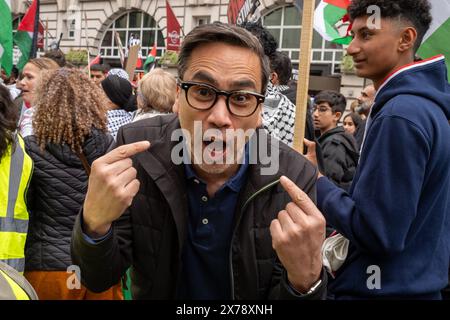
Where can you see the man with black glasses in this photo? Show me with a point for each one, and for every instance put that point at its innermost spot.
(197, 215)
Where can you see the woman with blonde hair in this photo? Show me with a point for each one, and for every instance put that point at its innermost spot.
(31, 76)
(156, 94)
(69, 134)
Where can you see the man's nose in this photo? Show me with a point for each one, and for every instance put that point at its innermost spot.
(353, 48)
(220, 116)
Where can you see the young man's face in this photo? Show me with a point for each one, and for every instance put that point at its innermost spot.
(375, 51)
(324, 117)
(97, 76)
(228, 68)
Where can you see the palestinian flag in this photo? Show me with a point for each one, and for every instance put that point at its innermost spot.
(96, 60)
(150, 62)
(329, 15)
(26, 37)
(436, 40)
(6, 36)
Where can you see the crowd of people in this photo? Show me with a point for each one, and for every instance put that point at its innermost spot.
(89, 176)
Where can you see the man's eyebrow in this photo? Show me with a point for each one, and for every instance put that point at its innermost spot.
(355, 31)
(234, 85)
(204, 76)
(363, 29)
(244, 83)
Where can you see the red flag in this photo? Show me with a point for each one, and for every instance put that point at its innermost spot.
(139, 63)
(234, 7)
(96, 60)
(339, 3)
(173, 30)
(153, 52)
(27, 23)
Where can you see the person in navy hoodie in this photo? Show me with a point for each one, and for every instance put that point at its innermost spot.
(396, 213)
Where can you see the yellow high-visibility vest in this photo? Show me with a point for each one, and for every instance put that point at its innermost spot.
(16, 168)
(13, 286)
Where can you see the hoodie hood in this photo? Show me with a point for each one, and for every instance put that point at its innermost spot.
(426, 78)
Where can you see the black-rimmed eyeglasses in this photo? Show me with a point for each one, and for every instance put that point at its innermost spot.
(201, 96)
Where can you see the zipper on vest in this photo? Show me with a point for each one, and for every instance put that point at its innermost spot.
(252, 197)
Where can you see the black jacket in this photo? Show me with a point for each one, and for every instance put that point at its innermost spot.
(340, 156)
(56, 194)
(150, 234)
(359, 133)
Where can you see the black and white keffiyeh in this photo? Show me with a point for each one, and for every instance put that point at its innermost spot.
(279, 115)
(116, 119)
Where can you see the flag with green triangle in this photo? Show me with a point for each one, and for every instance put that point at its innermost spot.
(436, 40)
(27, 35)
(328, 15)
(6, 36)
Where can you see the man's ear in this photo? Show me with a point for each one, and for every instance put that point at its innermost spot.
(259, 122)
(176, 105)
(274, 78)
(408, 39)
(337, 116)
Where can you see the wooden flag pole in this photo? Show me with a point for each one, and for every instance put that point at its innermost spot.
(133, 56)
(46, 35)
(121, 53)
(87, 44)
(303, 73)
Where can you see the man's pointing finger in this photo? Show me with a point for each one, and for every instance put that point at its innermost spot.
(300, 198)
(125, 151)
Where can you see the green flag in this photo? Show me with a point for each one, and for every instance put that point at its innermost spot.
(326, 17)
(150, 62)
(436, 40)
(6, 36)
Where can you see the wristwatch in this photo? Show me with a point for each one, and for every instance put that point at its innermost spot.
(311, 290)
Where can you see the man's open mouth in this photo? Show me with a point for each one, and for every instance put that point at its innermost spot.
(214, 147)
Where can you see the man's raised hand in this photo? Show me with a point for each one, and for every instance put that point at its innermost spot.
(297, 237)
(112, 187)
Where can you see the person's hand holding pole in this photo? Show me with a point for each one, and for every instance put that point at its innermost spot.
(112, 187)
(311, 154)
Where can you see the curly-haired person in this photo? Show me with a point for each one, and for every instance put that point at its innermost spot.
(31, 76)
(70, 132)
(15, 173)
(396, 214)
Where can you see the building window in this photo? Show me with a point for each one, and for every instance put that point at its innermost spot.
(285, 25)
(71, 29)
(132, 25)
(201, 20)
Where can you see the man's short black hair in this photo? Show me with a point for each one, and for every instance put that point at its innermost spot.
(266, 39)
(335, 99)
(99, 67)
(416, 12)
(281, 64)
(218, 32)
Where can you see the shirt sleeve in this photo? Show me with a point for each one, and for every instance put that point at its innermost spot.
(92, 240)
